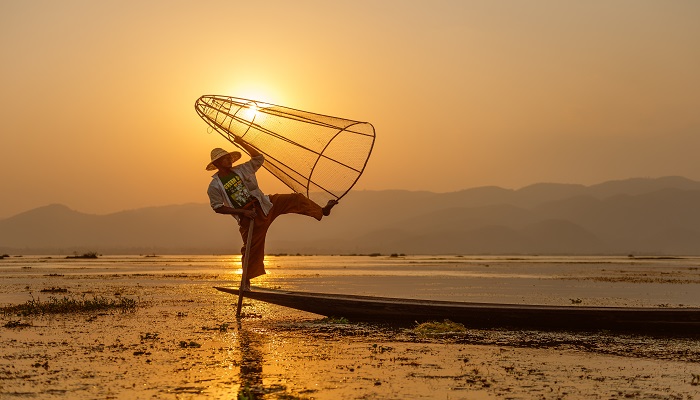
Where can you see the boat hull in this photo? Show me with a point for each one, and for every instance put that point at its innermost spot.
(681, 321)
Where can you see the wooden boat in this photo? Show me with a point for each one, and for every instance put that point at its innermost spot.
(681, 321)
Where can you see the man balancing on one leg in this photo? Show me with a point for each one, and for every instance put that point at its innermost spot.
(235, 191)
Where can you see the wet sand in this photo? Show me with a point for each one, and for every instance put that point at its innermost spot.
(183, 341)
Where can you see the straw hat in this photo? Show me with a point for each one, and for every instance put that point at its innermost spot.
(218, 153)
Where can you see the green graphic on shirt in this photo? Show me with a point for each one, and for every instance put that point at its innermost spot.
(236, 190)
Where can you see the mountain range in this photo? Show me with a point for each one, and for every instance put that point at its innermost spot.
(639, 216)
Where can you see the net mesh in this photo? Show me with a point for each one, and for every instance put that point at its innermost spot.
(317, 155)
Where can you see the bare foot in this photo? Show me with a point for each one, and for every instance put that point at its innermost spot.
(328, 207)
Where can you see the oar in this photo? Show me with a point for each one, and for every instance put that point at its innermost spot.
(244, 275)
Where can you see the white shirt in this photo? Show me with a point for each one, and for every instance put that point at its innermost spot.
(217, 194)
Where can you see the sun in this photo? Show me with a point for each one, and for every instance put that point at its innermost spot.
(257, 94)
(248, 112)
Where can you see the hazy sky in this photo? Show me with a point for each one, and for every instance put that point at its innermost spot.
(97, 101)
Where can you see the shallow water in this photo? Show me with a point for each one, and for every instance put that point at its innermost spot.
(614, 281)
(274, 352)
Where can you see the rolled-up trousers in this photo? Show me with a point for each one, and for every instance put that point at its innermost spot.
(292, 203)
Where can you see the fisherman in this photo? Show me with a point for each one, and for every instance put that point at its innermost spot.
(234, 190)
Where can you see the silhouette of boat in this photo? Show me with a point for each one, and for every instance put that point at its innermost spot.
(667, 320)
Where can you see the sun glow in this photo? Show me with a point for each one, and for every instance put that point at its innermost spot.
(257, 94)
(253, 107)
(248, 112)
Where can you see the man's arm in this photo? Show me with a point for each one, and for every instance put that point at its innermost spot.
(250, 149)
(217, 203)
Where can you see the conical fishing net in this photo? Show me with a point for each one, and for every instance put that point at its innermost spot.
(317, 155)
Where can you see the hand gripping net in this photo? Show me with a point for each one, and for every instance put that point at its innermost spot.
(317, 155)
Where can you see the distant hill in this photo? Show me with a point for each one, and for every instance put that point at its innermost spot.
(635, 216)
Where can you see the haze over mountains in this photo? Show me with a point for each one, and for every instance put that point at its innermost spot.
(636, 216)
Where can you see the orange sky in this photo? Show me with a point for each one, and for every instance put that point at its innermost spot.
(97, 96)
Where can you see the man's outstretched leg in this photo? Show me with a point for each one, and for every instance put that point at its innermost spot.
(297, 203)
(292, 203)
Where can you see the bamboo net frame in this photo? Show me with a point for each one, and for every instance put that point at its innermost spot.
(317, 155)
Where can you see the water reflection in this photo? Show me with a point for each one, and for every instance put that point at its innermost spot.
(251, 344)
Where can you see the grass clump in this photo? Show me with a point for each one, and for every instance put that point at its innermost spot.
(334, 320)
(439, 328)
(68, 305)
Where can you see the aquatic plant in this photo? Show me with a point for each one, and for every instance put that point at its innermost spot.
(17, 324)
(66, 305)
(334, 320)
(437, 328)
(90, 254)
(376, 348)
(54, 290)
(221, 328)
(149, 336)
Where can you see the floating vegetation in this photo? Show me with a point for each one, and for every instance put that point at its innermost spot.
(634, 279)
(149, 336)
(251, 315)
(439, 328)
(333, 320)
(376, 348)
(54, 290)
(91, 254)
(67, 305)
(17, 324)
(221, 328)
(44, 365)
